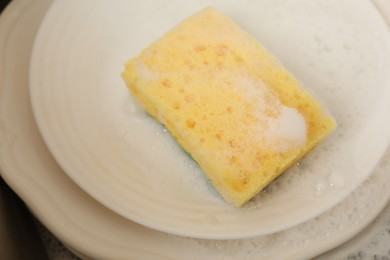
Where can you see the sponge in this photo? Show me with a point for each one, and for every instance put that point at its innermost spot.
(228, 102)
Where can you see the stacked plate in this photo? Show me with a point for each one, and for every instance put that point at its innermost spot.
(110, 182)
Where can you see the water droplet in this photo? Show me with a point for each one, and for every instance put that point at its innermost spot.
(267, 189)
(335, 180)
(319, 188)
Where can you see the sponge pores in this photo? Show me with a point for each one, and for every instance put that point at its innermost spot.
(228, 102)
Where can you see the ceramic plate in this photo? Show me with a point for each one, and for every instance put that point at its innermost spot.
(129, 163)
(96, 232)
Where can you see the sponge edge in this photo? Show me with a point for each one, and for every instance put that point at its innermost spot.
(228, 102)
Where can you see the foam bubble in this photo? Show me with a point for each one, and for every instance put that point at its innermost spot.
(290, 127)
(146, 73)
(283, 131)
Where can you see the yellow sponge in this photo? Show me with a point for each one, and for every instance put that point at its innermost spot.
(228, 102)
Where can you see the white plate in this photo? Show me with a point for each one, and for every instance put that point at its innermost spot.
(94, 231)
(126, 161)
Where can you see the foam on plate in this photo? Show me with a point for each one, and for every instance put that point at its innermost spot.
(348, 215)
(332, 56)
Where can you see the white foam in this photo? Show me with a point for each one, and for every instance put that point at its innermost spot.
(292, 125)
(286, 130)
(346, 216)
(146, 73)
(289, 129)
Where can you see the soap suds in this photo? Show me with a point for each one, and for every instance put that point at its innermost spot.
(281, 127)
(345, 217)
(289, 129)
(146, 73)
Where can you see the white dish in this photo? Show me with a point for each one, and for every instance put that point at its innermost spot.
(94, 231)
(126, 161)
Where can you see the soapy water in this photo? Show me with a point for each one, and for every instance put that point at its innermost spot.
(333, 55)
(346, 216)
(336, 59)
(190, 177)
